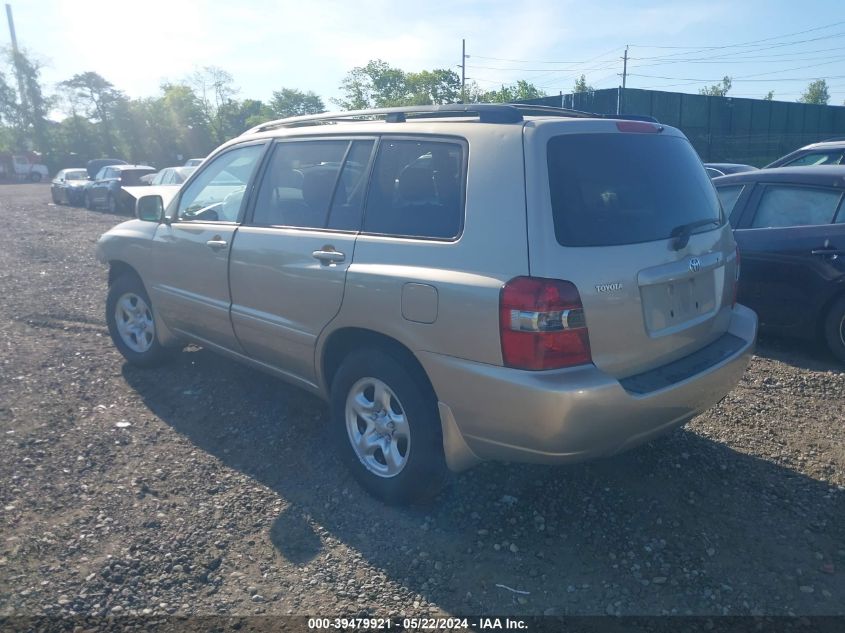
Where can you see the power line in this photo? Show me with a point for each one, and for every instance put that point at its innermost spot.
(691, 79)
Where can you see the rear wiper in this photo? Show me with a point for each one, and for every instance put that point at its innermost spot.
(681, 233)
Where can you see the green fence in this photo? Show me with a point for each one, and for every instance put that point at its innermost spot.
(722, 129)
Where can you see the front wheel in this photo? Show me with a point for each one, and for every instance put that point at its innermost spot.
(834, 329)
(35, 177)
(387, 427)
(89, 201)
(129, 315)
(112, 204)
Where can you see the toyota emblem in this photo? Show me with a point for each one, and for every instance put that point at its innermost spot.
(695, 264)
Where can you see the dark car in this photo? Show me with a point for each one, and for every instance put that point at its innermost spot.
(68, 187)
(94, 166)
(825, 153)
(105, 190)
(714, 170)
(789, 224)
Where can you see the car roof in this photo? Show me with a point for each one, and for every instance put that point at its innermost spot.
(838, 144)
(128, 167)
(823, 175)
(728, 165)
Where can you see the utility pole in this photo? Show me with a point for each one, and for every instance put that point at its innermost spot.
(463, 70)
(15, 54)
(625, 66)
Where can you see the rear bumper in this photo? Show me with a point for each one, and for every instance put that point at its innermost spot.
(492, 412)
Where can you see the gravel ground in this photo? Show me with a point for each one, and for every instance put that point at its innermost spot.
(207, 488)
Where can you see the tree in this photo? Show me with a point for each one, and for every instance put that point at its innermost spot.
(214, 89)
(376, 85)
(717, 90)
(429, 87)
(769, 95)
(26, 112)
(98, 98)
(292, 102)
(816, 92)
(582, 86)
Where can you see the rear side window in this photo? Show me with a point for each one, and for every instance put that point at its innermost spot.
(611, 189)
(416, 190)
(728, 197)
(795, 206)
(131, 178)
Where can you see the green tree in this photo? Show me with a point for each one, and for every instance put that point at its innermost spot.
(215, 89)
(518, 91)
(26, 113)
(769, 95)
(98, 98)
(717, 90)
(376, 85)
(816, 92)
(433, 87)
(287, 102)
(582, 86)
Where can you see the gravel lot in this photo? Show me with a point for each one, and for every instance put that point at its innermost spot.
(207, 488)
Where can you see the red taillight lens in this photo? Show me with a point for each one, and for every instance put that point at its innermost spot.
(542, 324)
(736, 275)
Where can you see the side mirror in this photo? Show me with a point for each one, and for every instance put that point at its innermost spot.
(150, 209)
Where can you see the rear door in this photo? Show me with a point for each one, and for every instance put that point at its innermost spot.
(289, 261)
(792, 240)
(607, 205)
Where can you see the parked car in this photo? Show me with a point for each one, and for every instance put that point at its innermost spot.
(714, 170)
(172, 176)
(552, 299)
(789, 224)
(94, 166)
(68, 186)
(824, 153)
(193, 162)
(105, 190)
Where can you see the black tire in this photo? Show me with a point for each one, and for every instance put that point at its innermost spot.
(54, 196)
(35, 177)
(834, 329)
(89, 203)
(111, 204)
(129, 285)
(424, 473)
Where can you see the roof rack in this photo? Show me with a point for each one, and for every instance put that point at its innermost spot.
(485, 112)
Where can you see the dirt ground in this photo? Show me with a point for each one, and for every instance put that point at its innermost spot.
(208, 488)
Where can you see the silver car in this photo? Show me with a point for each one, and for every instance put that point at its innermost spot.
(461, 283)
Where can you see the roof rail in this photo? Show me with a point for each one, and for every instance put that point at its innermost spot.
(486, 113)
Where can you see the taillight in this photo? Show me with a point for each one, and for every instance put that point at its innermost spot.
(640, 127)
(736, 275)
(542, 324)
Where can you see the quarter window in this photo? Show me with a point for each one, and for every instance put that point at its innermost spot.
(795, 206)
(416, 190)
(728, 197)
(817, 158)
(217, 194)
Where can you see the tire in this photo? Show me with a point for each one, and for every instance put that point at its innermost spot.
(35, 177)
(89, 203)
(111, 203)
(834, 328)
(54, 196)
(403, 461)
(129, 315)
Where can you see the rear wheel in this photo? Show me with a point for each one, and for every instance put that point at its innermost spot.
(54, 196)
(834, 329)
(35, 177)
(89, 202)
(112, 204)
(387, 428)
(131, 322)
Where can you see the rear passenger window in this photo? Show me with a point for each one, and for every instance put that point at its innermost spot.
(299, 183)
(728, 197)
(817, 158)
(416, 190)
(795, 206)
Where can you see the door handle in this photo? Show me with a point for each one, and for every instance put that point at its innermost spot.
(328, 257)
(827, 252)
(217, 244)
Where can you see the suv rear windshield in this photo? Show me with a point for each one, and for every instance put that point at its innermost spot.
(610, 189)
(132, 177)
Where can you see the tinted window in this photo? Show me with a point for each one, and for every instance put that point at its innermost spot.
(299, 183)
(611, 189)
(833, 157)
(76, 175)
(132, 177)
(416, 190)
(728, 197)
(217, 193)
(795, 206)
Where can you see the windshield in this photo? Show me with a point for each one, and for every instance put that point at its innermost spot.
(80, 174)
(609, 189)
(130, 177)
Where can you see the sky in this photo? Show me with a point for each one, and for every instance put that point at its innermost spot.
(677, 45)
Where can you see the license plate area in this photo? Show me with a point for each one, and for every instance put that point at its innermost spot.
(668, 305)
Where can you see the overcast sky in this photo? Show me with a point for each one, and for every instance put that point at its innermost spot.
(311, 45)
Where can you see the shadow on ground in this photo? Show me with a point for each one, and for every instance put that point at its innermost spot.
(684, 523)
